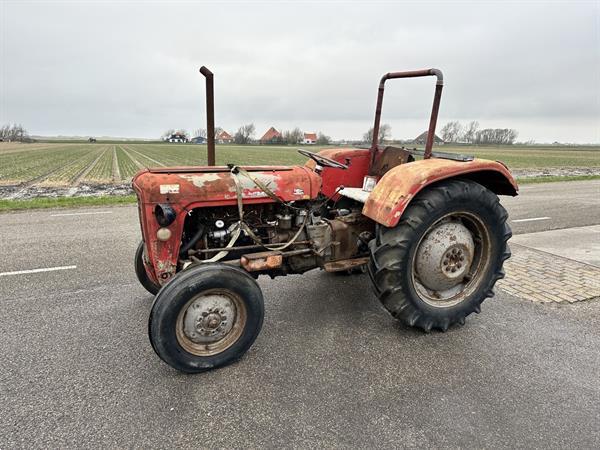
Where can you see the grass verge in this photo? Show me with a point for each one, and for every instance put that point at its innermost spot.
(65, 202)
(553, 179)
(73, 202)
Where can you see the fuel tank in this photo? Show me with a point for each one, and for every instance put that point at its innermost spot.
(192, 187)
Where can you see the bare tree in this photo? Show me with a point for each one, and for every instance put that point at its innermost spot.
(183, 133)
(385, 132)
(470, 132)
(452, 131)
(446, 132)
(293, 137)
(4, 132)
(167, 134)
(512, 136)
(20, 132)
(496, 136)
(200, 132)
(323, 139)
(14, 132)
(244, 134)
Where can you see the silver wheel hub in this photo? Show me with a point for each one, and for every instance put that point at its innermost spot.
(209, 318)
(444, 256)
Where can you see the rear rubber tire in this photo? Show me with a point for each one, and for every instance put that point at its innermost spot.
(173, 302)
(393, 252)
(140, 271)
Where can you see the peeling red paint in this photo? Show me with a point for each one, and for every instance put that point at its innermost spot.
(202, 187)
(396, 188)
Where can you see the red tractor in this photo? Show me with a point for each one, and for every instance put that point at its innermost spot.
(428, 227)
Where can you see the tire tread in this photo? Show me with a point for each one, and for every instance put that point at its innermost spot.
(390, 250)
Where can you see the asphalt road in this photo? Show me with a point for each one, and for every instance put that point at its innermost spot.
(330, 368)
(566, 205)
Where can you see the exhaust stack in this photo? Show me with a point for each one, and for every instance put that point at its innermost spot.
(210, 115)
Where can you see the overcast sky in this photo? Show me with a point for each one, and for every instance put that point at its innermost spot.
(131, 68)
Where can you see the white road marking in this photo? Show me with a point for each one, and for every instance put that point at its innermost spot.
(45, 269)
(81, 213)
(530, 220)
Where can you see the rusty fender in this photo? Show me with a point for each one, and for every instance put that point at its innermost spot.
(397, 188)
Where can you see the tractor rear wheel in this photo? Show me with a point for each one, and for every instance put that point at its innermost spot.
(140, 271)
(208, 316)
(443, 258)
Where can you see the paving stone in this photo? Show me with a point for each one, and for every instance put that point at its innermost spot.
(542, 277)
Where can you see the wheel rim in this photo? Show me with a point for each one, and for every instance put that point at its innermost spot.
(451, 259)
(211, 322)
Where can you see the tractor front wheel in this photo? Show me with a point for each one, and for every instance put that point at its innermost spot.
(206, 317)
(443, 258)
(140, 271)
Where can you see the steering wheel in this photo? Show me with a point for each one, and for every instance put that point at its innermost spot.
(322, 160)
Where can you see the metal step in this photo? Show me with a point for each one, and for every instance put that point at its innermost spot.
(355, 194)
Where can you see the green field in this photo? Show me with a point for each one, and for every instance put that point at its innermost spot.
(65, 164)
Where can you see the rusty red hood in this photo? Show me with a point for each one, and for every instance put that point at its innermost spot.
(192, 187)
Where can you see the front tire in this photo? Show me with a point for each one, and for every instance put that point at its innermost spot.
(206, 317)
(443, 258)
(140, 271)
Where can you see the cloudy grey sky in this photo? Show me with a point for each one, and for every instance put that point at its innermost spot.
(131, 68)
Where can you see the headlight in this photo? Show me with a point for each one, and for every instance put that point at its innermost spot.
(165, 215)
(163, 234)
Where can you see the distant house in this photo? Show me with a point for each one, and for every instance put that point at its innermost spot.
(177, 138)
(224, 137)
(422, 139)
(310, 138)
(199, 140)
(271, 136)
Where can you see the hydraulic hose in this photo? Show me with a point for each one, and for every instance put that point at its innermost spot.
(189, 244)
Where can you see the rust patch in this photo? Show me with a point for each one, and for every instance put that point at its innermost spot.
(339, 266)
(254, 262)
(389, 158)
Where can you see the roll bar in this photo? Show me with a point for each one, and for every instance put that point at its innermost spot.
(434, 112)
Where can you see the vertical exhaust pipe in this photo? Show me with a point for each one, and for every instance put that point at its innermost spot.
(210, 115)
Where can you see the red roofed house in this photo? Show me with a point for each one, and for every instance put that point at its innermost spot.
(310, 138)
(224, 137)
(271, 136)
